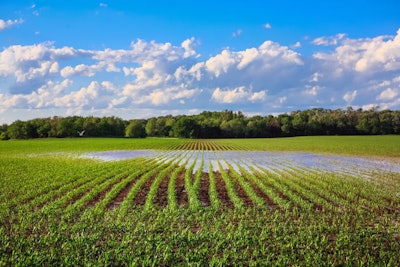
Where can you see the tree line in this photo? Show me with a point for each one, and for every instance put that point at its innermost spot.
(213, 124)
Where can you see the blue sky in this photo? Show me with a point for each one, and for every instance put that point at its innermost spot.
(137, 59)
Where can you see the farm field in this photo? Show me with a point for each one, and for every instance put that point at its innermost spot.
(291, 201)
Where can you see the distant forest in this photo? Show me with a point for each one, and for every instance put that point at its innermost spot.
(223, 124)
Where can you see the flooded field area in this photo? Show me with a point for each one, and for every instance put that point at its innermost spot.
(250, 160)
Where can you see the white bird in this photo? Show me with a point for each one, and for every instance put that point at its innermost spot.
(81, 133)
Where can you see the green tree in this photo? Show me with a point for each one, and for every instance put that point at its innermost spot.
(151, 127)
(3, 132)
(286, 124)
(17, 130)
(136, 129)
(185, 127)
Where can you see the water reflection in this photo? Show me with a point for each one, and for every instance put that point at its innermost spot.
(271, 161)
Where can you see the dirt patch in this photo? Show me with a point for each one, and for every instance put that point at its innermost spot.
(141, 196)
(221, 190)
(269, 202)
(116, 202)
(181, 194)
(161, 198)
(240, 191)
(100, 196)
(203, 190)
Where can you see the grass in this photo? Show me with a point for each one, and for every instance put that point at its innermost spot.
(60, 210)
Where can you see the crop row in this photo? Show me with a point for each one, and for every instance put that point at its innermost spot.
(203, 178)
(201, 203)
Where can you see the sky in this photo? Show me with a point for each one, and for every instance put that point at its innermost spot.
(141, 59)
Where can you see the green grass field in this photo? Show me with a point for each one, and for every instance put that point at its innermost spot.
(180, 208)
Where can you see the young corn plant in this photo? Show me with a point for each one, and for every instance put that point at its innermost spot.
(154, 187)
(236, 200)
(246, 186)
(194, 202)
(212, 192)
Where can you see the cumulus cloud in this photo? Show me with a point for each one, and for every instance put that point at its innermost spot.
(387, 94)
(151, 75)
(189, 48)
(33, 65)
(239, 94)
(377, 54)
(9, 23)
(269, 56)
(88, 70)
(296, 45)
(221, 63)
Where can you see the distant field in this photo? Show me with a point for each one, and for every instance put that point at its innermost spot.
(381, 145)
(201, 202)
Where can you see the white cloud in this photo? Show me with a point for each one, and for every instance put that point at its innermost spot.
(258, 96)
(282, 99)
(237, 33)
(220, 63)
(268, 56)
(239, 94)
(315, 77)
(349, 97)
(247, 56)
(377, 54)
(369, 106)
(387, 94)
(312, 90)
(188, 45)
(296, 45)
(159, 97)
(88, 70)
(329, 40)
(267, 26)
(162, 75)
(128, 71)
(9, 23)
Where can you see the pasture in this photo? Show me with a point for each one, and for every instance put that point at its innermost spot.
(289, 201)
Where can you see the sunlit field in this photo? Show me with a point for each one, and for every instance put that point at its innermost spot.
(165, 202)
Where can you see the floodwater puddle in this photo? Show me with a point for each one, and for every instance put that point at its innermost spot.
(274, 162)
(121, 154)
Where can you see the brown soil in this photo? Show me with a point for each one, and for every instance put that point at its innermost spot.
(271, 204)
(141, 196)
(77, 197)
(203, 190)
(241, 192)
(180, 192)
(116, 202)
(100, 196)
(161, 198)
(221, 190)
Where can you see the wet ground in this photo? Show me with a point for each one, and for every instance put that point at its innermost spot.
(272, 161)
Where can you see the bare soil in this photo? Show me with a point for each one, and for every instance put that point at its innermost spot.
(221, 190)
(203, 190)
(180, 192)
(141, 196)
(161, 198)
